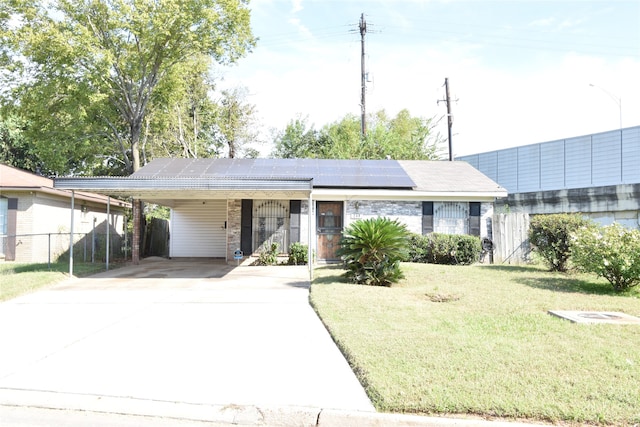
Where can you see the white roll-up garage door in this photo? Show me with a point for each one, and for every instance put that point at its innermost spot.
(198, 229)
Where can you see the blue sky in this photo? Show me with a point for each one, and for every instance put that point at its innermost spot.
(519, 70)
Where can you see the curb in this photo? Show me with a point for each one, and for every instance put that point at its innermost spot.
(231, 414)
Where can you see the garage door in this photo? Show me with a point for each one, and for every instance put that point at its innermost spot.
(198, 229)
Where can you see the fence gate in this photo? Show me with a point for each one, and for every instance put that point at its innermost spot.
(511, 238)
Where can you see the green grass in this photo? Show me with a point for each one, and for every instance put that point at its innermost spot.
(477, 340)
(19, 279)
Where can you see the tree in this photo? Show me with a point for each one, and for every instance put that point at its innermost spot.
(402, 137)
(181, 120)
(235, 123)
(297, 141)
(88, 70)
(14, 149)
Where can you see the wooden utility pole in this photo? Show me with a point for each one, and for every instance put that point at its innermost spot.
(449, 117)
(363, 76)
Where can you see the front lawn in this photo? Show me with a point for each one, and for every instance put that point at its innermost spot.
(17, 279)
(477, 340)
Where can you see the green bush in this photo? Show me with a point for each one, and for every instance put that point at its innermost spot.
(437, 248)
(269, 254)
(298, 254)
(372, 250)
(550, 236)
(418, 248)
(612, 252)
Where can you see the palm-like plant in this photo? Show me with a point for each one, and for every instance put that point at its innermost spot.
(372, 250)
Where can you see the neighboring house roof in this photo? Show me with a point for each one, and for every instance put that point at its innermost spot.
(14, 179)
(166, 180)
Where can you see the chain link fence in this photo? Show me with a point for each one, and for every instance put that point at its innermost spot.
(54, 247)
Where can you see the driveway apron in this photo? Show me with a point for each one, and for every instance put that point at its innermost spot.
(187, 331)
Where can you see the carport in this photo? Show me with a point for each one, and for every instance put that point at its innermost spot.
(190, 185)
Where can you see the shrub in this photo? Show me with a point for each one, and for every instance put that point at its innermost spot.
(438, 248)
(418, 248)
(550, 236)
(612, 252)
(372, 250)
(269, 254)
(298, 253)
(453, 249)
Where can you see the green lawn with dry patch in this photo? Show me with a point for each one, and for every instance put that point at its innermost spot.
(477, 340)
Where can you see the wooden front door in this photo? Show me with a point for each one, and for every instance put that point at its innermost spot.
(329, 229)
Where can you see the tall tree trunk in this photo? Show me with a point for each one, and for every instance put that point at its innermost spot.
(136, 128)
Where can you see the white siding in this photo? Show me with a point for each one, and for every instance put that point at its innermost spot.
(198, 230)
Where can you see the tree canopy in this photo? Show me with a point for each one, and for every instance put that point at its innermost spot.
(401, 137)
(91, 79)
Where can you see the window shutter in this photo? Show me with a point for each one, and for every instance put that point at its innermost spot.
(427, 217)
(294, 220)
(474, 218)
(246, 229)
(12, 220)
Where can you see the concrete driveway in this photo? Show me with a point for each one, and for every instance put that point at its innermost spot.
(181, 335)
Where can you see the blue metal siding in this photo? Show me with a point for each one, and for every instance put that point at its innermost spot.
(586, 161)
(552, 165)
(473, 160)
(631, 155)
(606, 158)
(528, 168)
(508, 169)
(578, 162)
(488, 163)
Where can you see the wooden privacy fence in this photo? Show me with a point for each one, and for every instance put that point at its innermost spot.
(510, 238)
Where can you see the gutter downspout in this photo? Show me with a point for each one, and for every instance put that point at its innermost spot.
(73, 197)
(108, 228)
(311, 232)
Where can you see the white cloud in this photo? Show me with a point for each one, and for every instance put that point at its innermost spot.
(544, 22)
(296, 6)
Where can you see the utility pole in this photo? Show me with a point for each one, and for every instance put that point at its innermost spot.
(449, 116)
(363, 77)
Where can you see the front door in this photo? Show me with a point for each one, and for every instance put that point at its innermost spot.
(329, 220)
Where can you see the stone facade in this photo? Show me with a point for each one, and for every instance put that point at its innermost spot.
(407, 212)
(234, 208)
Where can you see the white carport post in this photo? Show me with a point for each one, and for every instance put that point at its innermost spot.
(73, 195)
(108, 228)
(310, 226)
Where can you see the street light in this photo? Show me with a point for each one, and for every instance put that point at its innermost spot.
(616, 99)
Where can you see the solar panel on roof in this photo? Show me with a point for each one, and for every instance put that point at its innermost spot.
(325, 173)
